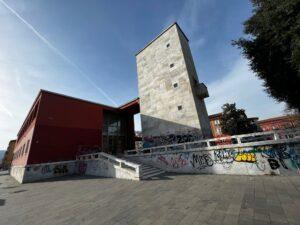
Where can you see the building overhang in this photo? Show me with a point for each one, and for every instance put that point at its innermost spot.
(132, 107)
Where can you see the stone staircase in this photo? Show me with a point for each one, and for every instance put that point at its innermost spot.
(148, 171)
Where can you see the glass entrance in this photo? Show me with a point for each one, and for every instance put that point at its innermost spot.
(113, 136)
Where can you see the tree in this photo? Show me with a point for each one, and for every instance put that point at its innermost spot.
(234, 121)
(273, 47)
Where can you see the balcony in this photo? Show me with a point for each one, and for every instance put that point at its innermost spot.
(201, 90)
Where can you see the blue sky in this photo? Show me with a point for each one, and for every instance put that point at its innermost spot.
(87, 49)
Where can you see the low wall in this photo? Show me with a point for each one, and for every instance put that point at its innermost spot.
(17, 172)
(277, 159)
(35, 172)
(104, 168)
(98, 164)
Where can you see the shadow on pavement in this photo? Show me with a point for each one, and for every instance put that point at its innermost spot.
(69, 178)
(170, 175)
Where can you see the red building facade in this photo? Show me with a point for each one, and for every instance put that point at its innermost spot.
(279, 123)
(215, 124)
(59, 127)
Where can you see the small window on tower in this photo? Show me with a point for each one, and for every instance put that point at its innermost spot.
(171, 65)
(175, 85)
(168, 45)
(179, 107)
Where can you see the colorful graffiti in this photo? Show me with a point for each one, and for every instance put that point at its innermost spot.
(179, 160)
(224, 156)
(245, 157)
(242, 160)
(60, 169)
(46, 169)
(279, 155)
(162, 159)
(82, 167)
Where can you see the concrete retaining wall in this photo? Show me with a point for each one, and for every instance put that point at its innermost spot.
(17, 172)
(277, 159)
(42, 171)
(98, 164)
(104, 168)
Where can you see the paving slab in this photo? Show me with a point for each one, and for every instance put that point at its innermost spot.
(168, 199)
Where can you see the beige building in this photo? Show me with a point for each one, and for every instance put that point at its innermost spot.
(171, 96)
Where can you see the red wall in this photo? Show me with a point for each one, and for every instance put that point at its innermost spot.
(21, 149)
(63, 125)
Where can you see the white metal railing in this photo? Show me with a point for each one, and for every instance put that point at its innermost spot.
(244, 140)
(121, 163)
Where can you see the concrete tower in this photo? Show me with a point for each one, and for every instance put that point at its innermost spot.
(171, 98)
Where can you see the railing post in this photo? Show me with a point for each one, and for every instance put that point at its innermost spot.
(137, 171)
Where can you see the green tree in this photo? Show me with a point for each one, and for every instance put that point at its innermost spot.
(272, 46)
(234, 121)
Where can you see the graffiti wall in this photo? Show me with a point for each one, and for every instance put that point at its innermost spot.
(153, 141)
(36, 172)
(275, 159)
(90, 166)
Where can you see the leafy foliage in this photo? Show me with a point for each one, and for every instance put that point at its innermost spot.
(234, 121)
(273, 47)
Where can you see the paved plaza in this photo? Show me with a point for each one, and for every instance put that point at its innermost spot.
(169, 199)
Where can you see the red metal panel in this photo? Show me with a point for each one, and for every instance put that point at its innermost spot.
(63, 126)
(22, 146)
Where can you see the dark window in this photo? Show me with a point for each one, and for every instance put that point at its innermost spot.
(168, 45)
(175, 85)
(171, 65)
(114, 134)
(179, 107)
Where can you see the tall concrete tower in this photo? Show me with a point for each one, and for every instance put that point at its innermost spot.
(171, 98)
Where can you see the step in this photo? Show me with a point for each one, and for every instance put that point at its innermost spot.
(147, 167)
(150, 170)
(146, 176)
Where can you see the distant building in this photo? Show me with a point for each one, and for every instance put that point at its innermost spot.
(9, 154)
(281, 122)
(215, 124)
(59, 127)
(171, 96)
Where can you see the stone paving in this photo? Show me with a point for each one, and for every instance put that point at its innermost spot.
(170, 199)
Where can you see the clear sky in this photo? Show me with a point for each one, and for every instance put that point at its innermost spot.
(86, 49)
